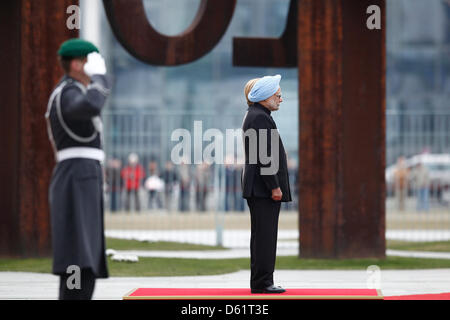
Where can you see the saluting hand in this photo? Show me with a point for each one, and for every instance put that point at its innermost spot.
(277, 194)
(95, 64)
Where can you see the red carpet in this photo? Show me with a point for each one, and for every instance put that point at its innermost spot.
(435, 296)
(242, 294)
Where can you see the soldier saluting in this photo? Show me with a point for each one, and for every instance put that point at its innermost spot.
(76, 188)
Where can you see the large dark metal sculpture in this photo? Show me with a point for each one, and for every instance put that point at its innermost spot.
(30, 34)
(270, 52)
(342, 129)
(131, 27)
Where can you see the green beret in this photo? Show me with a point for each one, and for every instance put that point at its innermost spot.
(76, 48)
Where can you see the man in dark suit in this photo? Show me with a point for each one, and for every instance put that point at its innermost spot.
(265, 179)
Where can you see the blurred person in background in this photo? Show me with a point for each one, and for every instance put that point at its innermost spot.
(202, 176)
(170, 178)
(154, 186)
(422, 183)
(293, 180)
(229, 183)
(114, 183)
(401, 183)
(132, 176)
(185, 186)
(239, 202)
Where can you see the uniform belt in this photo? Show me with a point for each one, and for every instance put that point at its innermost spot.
(80, 152)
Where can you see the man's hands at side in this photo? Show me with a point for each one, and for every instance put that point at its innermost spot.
(277, 194)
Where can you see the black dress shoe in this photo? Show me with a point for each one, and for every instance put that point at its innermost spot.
(269, 289)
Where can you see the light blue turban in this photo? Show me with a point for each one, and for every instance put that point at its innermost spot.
(264, 88)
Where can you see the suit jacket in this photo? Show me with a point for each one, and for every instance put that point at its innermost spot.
(255, 182)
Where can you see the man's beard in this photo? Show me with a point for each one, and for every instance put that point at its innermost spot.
(273, 106)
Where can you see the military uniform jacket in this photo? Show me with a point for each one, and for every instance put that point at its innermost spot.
(76, 188)
(254, 182)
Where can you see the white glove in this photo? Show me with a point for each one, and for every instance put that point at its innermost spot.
(95, 64)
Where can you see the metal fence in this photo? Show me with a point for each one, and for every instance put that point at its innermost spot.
(413, 132)
(197, 203)
(419, 208)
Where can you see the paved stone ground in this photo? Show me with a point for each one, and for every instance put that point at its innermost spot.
(22, 285)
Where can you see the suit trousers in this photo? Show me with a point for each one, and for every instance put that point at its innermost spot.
(264, 213)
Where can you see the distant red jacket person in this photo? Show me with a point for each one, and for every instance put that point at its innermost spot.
(132, 174)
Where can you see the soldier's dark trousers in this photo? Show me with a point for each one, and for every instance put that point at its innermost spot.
(264, 213)
(87, 284)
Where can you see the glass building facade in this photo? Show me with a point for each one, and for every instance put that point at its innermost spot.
(417, 78)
